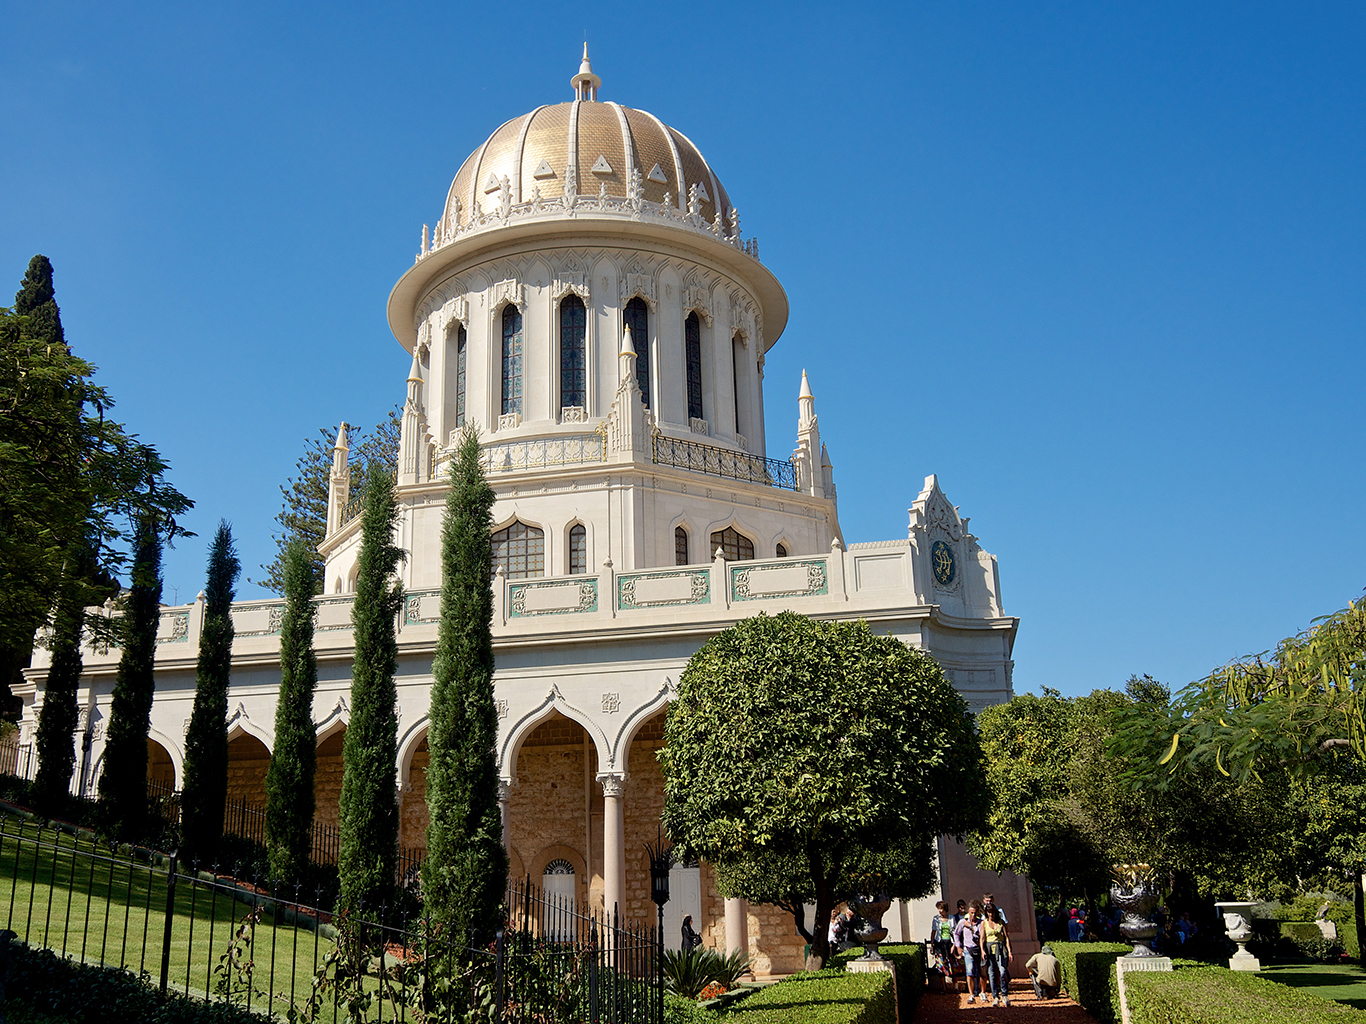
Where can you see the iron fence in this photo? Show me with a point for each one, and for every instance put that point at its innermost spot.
(203, 934)
(714, 461)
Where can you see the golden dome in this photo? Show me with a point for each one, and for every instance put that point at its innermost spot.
(597, 145)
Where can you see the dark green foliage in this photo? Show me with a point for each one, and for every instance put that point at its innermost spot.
(909, 960)
(820, 742)
(824, 997)
(465, 874)
(58, 989)
(688, 971)
(1088, 975)
(1213, 995)
(57, 720)
(678, 1010)
(36, 300)
(123, 780)
(369, 813)
(303, 514)
(205, 790)
(293, 762)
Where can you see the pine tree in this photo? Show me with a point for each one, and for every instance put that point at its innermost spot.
(369, 814)
(123, 782)
(293, 763)
(204, 793)
(465, 874)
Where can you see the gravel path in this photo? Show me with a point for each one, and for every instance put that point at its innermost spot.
(946, 1008)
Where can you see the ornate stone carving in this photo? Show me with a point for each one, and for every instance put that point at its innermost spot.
(455, 313)
(573, 414)
(743, 580)
(696, 589)
(275, 618)
(611, 703)
(510, 290)
(510, 421)
(613, 783)
(697, 299)
(699, 426)
(640, 283)
(502, 708)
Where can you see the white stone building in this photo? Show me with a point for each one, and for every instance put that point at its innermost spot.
(587, 300)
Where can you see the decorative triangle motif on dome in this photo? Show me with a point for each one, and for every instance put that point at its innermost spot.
(702, 193)
(601, 166)
(543, 171)
(657, 174)
(492, 184)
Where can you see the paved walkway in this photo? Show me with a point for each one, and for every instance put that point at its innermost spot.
(946, 1008)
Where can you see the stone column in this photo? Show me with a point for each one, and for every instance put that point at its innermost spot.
(737, 926)
(504, 796)
(613, 839)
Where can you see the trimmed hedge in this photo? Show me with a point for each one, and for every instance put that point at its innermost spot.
(832, 996)
(1088, 975)
(1215, 995)
(909, 960)
(42, 985)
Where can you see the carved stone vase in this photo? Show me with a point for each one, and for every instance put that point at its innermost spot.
(870, 931)
(1237, 920)
(1137, 902)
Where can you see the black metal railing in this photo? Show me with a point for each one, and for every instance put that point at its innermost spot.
(197, 932)
(714, 461)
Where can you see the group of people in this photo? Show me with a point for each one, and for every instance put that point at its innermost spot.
(976, 934)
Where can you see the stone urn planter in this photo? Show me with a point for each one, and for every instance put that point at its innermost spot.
(870, 931)
(1238, 922)
(1133, 893)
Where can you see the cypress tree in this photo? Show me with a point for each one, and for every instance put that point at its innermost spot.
(465, 874)
(123, 781)
(57, 720)
(369, 813)
(204, 793)
(293, 763)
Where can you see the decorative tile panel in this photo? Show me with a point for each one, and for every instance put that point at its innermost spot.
(421, 607)
(258, 619)
(174, 628)
(526, 600)
(790, 579)
(663, 589)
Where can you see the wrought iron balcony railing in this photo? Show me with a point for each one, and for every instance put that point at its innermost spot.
(722, 462)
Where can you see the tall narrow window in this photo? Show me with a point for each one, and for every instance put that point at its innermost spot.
(578, 550)
(782, 551)
(680, 546)
(573, 369)
(460, 360)
(637, 317)
(736, 361)
(692, 352)
(512, 359)
(734, 545)
(520, 550)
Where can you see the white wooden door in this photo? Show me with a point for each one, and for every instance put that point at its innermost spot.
(685, 899)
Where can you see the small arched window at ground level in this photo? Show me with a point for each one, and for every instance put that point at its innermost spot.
(573, 368)
(782, 551)
(680, 546)
(578, 550)
(520, 550)
(734, 545)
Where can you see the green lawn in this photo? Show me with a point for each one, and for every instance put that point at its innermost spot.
(111, 910)
(1342, 983)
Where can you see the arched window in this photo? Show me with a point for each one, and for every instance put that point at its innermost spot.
(782, 551)
(578, 550)
(460, 360)
(520, 550)
(692, 351)
(680, 546)
(557, 886)
(573, 369)
(637, 317)
(736, 361)
(734, 545)
(512, 359)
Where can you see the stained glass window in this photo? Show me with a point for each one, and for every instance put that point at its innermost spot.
(512, 359)
(782, 551)
(578, 550)
(734, 545)
(692, 351)
(680, 546)
(520, 550)
(460, 361)
(573, 369)
(736, 361)
(637, 317)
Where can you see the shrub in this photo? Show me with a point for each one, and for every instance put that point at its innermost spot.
(678, 1010)
(1213, 995)
(1088, 975)
(821, 997)
(687, 973)
(909, 960)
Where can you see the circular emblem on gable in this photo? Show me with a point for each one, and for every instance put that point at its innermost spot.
(945, 565)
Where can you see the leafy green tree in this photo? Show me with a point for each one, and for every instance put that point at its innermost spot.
(303, 513)
(123, 782)
(369, 813)
(817, 741)
(205, 790)
(465, 874)
(72, 477)
(293, 762)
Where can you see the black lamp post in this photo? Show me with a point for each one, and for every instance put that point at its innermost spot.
(661, 860)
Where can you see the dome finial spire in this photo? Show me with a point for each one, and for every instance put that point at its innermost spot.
(585, 83)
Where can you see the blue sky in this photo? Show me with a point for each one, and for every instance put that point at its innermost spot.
(1097, 265)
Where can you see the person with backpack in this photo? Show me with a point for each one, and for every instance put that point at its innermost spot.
(967, 940)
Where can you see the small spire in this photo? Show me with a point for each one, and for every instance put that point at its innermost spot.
(585, 83)
(341, 437)
(806, 387)
(415, 374)
(628, 347)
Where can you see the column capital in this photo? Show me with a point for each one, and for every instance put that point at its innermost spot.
(505, 789)
(613, 783)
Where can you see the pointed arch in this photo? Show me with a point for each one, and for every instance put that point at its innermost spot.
(408, 744)
(621, 747)
(511, 745)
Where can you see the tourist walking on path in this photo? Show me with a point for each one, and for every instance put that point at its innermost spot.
(996, 947)
(941, 942)
(967, 939)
